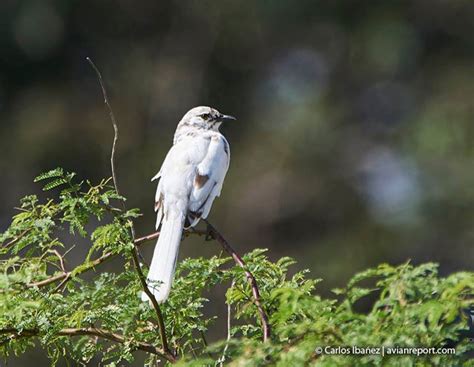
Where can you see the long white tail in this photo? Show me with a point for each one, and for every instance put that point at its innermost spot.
(160, 276)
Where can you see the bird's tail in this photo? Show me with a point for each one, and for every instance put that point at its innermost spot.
(160, 275)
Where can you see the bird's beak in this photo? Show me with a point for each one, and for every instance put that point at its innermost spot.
(223, 118)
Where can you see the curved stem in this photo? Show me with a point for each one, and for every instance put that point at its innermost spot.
(91, 331)
(214, 233)
(135, 253)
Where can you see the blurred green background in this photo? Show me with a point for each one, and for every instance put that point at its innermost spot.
(354, 140)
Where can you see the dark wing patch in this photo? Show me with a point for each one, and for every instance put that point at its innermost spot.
(190, 218)
(226, 148)
(200, 180)
(159, 203)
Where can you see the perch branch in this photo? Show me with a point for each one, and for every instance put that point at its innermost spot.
(212, 231)
(135, 253)
(215, 234)
(141, 240)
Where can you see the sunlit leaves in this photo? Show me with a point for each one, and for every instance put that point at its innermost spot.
(404, 305)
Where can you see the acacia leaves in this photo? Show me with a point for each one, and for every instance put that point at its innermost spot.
(84, 313)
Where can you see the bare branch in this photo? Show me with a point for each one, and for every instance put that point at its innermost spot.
(146, 238)
(93, 332)
(60, 258)
(139, 241)
(47, 281)
(135, 253)
(62, 284)
(69, 274)
(214, 233)
(229, 334)
(89, 266)
(16, 239)
(217, 236)
(112, 118)
(154, 302)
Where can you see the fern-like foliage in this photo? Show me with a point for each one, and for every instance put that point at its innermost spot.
(43, 300)
(54, 173)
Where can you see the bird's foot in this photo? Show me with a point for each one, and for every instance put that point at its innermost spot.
(209, 233)
(187, 231)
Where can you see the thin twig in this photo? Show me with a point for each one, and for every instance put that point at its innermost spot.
(141, 240)
(89, 266)
(47, 281)
(229, 309)
(63, 268)
(16, 239)
(216, 235)
(60, 258)
(63, 283)
(135, 253)
(69, 274)
(153, 300)
(93, 332)
(250, 278)
(205, 343)
(112, 118)
(146, 238)
(229, 334)
(69, 250)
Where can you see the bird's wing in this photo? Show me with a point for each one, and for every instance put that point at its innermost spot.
(158, 199)
(192, 175)
(172, 188)
(158, 204)
(209, 177)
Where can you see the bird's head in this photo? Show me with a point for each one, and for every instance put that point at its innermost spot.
(205, 118)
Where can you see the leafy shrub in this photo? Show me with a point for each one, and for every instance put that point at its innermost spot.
(100, 316)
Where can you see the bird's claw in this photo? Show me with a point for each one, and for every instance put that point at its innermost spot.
(209, 235)
(187, 231)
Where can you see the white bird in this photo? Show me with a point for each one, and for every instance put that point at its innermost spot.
(191, 177)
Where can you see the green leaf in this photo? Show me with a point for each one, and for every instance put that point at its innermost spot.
(57, 172)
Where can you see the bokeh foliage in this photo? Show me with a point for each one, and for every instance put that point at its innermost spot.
(354, 140)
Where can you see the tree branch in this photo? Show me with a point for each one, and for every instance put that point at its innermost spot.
(16, 239)
(135, 253)
(215, 234)
(91, 265)
(112, 118)
(96, 332)
(221, 360)
(69, 274)
(153, 300)
(212, 231)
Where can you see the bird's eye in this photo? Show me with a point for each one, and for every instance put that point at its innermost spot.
(205, 116)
